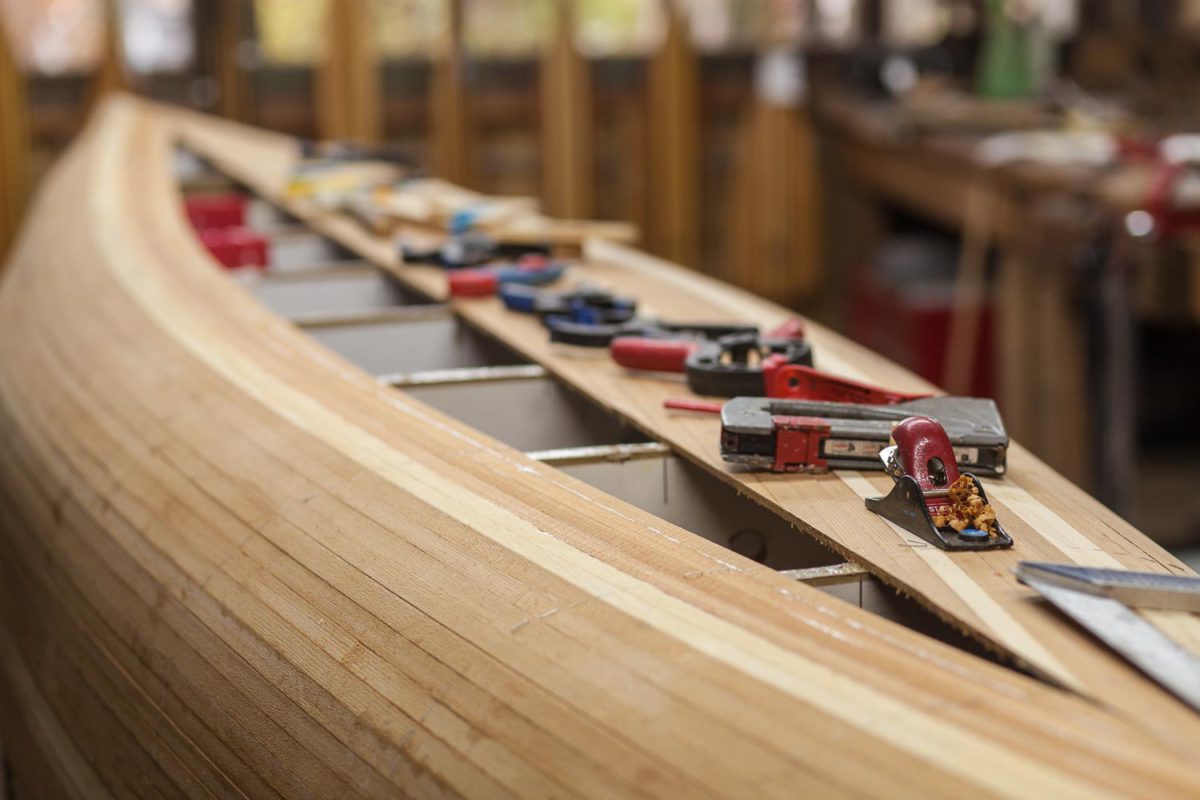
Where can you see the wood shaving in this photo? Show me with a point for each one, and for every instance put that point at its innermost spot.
(966, 509)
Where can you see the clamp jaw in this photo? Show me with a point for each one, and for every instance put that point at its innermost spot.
(467, 250)
(580, 302)
(640, 333)
(735, 366)
(719, 360)
(922, 463)
(528, 270)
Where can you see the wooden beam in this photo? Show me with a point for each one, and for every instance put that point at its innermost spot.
(14, 145)
(450, 122)
(111, 74)
(228, 33)
(673, 189)
(567, 155)
(776, 246)
(348, 103)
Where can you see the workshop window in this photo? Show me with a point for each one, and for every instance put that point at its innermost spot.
(55, 37)
(407, 29)
(157, 35)
(291, 32)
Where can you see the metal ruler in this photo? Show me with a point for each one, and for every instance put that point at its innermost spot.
(1102, 601)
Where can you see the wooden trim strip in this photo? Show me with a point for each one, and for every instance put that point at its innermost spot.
(847, 572)
(341, 319)
(449, 377)
(598, 454)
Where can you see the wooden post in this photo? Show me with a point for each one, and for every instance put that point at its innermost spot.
(14, 146)
(111, 75)
(228, 32)
(348, 79)
(674, 121)
(567, 179)
(450, 128)
(776, 247)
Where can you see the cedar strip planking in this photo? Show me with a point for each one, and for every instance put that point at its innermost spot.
(975, 592)
(278, 576)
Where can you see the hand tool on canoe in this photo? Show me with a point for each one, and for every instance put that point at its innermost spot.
(796, 382)
(813, 436)
(1103, 602)
(466, 250)
(529, 270)
(930, 497)
(781, 380)
(665, 347)
(603, 303)
(732, 365)
(598, 333)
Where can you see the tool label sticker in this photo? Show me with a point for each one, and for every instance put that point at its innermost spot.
(853, 447)
(967, 455)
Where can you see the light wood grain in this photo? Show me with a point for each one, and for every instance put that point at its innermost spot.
(566, 97)
(673, 168)
(347, 81)
(226, 39)
(14, 145)
(451, 125)
(111, 73)
(238, 567)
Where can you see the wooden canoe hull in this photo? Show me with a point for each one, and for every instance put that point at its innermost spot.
(236, 566)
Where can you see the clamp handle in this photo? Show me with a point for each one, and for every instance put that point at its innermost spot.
(484, 281)
(473, 282)
(653, 355)
(792, 328)
(799, 382)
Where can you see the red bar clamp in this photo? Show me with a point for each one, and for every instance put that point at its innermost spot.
(798, 382)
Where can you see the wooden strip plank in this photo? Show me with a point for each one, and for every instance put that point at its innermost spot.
(566, 100)
(347, 90)
(674, 163)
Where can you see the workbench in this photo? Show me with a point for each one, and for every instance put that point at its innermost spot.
(1037, 219)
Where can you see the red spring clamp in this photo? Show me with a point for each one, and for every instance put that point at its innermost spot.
(798, 382)
(236, 247)
(531, 270)
(670, 354)
(220, 210)
(798, 443)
